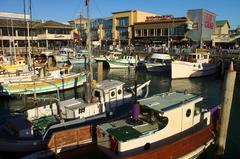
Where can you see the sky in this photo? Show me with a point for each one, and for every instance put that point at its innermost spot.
(65, 10)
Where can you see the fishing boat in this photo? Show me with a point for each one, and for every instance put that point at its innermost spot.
(158, 63)
(32, 130)
(42, 82)
(193, 65)
(167, 125)
(122, 61)
(18, 64)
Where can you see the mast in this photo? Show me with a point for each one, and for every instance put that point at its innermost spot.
(88, 84)
(13, 41)
(31, 31)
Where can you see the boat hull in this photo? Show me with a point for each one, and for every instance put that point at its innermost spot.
(157, 67)
(43, 85)
(179, 146)
(116, 64)
(181, 69)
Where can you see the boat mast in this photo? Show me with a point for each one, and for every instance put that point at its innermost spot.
(88, 87)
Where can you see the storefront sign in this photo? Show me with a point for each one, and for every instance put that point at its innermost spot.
(208, 23)
(152, 18)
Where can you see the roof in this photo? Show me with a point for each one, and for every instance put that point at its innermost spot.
(220, 23)
(15, 23)
(167, 101)
(52, 24)
(108, 84)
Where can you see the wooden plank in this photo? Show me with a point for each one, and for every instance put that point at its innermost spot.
(70, 136)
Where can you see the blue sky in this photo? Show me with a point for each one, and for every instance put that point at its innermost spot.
(65, 10)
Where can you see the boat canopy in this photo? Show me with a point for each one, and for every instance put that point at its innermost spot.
(166, 101)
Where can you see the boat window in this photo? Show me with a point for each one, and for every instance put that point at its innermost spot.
(152, 60)
(112, 94)
(205, 56)
(119, 91)
(188, 112)
(97, 94)
(159, 60)
(192, 58)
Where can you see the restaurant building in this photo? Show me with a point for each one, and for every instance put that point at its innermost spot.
(164, 29)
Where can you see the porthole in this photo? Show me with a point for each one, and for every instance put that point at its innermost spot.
(119, 91)
(188, 112)
(112, 94)
(147, 146)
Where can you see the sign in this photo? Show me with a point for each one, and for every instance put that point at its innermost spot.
(162, 17)
(208, 23)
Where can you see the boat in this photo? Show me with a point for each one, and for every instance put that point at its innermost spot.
(122, 61)
(80, 57)
(158, 63)
(193, 65)
(42, 82)
(166, 125)
(32, 130)
(19, 64)
(64, 54)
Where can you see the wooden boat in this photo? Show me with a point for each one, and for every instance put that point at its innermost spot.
(19, 64)
(167, 125)
(43, 82)
(158, 63)
(32, 130)
(194, 65)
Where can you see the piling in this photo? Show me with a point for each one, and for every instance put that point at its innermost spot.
(228, 90)
(100, 71)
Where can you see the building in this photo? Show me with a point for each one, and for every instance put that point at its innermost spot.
(203, 25)
(122, 25)
(19, 35)
(163, 29)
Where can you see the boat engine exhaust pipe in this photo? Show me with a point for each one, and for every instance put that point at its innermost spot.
(136, 111)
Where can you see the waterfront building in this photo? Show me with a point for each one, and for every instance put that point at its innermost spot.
(122, 25)
(203, 26)
(53, 35)
(165, 29)
(221, 33)
(20, 35)
(79, 31)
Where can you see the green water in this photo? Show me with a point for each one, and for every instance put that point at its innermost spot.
(209, 87)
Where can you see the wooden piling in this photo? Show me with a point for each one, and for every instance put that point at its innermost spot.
(100, 71)
(228, 90)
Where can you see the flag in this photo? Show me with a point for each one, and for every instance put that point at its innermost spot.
(86, 2)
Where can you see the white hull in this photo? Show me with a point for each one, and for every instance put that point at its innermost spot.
(160, 67)
(182, 69)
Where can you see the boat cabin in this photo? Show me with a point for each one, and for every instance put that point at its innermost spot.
(198, 57)
(160, 58)
(159, 117)
(107, 95)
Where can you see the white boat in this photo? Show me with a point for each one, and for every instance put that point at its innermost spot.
(64, 54)
(162, 126)
(32, 130)
(158, 62)
(194, 65)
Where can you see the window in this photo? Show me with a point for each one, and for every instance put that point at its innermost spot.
(123, 22)
(151, 32)
(112, 94)
(188, 112)
(145, 32)
(119, 91)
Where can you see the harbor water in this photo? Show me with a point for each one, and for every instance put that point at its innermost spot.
(209, 87)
